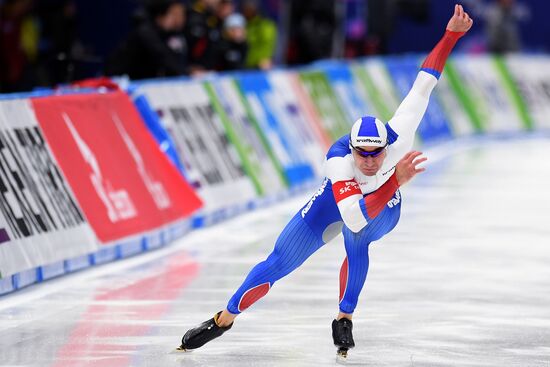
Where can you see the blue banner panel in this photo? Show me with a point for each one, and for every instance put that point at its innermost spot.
(434, 125)
(154, 125)
(351, 96)
(263, 100)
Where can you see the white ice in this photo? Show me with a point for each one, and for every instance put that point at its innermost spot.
(464, 280)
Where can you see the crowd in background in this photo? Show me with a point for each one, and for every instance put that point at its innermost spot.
(40, 44)
(36, 43)
(210, 35)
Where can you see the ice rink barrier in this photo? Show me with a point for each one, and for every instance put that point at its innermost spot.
(238, 141)
(82, 183)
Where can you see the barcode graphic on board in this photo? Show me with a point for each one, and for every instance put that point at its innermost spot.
(34, 197)
(204, 145)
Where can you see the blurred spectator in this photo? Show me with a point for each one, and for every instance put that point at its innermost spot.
(60, 48)
(261, 34)
(224, 9)
(18, 45)
(156, 47)
(218, 37)
(313, 24)
(502, 19)
(230, 53)
(202, 30)
(382, 18)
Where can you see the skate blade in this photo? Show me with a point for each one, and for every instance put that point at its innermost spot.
(179, 350)
(342, 356)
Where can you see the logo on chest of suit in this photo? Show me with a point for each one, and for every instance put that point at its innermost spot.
(388, 171)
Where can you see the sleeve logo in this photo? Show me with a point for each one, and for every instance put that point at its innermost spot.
(344, 189)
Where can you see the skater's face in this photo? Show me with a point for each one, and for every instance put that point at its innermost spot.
(369, 159)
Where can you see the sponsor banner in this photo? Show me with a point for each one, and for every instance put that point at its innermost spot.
(40, 220)
(479, 84)
(283, 120)
(302, 112)
(434, 125)
(461, 123)
(351, 96)
(242, 129)
(531, 75)
(124, 184)
(379, 86)
(513, 92)
(333, 118)
(212, 164)
(298, 115)
(154, 124)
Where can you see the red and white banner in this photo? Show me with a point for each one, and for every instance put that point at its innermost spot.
(123, 182)
(40, 221)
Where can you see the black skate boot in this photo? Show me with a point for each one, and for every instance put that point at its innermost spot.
(343, 338)
(201, 334)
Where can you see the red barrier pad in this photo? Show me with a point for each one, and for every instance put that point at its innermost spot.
(123, 182)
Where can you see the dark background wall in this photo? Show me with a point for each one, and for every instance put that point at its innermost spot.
(95, 28)
(103, 23)
(412, 36)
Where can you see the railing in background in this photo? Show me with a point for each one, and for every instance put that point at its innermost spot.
(77, 170)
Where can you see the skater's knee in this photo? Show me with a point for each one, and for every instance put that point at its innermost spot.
(280, 266)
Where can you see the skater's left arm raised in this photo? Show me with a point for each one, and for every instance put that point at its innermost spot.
(410, 112)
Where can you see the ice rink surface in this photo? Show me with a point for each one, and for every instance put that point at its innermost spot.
(463, 280)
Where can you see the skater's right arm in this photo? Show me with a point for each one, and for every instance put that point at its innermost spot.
(357, 211)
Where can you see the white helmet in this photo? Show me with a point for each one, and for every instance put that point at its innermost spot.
(368, 131)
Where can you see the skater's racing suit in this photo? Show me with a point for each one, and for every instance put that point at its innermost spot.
(363, 208)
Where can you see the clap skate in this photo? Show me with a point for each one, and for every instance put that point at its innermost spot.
(343, 338)
(201, 334)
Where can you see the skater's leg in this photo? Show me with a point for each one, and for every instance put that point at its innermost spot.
(295, 244)
(343, 282)
(353, 272)
(352, 277)
(315, 224)
(226, 318)
(343, 315)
